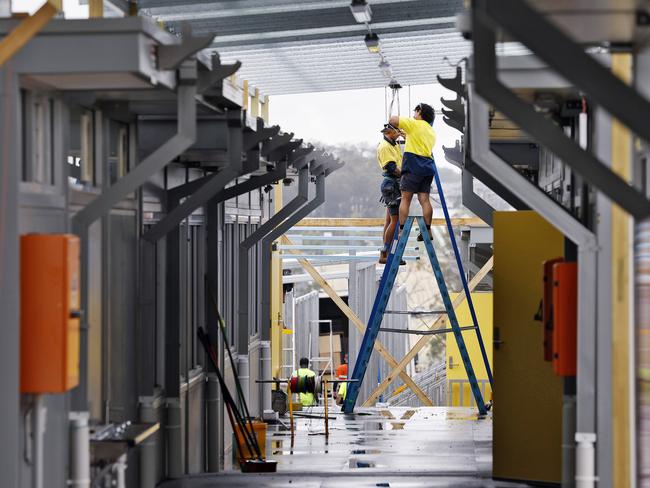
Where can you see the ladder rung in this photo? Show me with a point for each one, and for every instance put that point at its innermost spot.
(423, 332)
(416, 312)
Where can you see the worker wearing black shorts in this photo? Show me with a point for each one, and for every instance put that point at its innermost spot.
(418, 168)
(389, 157)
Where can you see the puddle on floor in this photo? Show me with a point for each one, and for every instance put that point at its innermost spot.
(358, 463)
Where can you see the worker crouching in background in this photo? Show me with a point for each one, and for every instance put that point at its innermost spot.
(389, 157)
(306, 399)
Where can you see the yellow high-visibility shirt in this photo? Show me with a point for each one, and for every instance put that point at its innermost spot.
(342, 391)
(306, 399)
(387, 152)
(420, 136)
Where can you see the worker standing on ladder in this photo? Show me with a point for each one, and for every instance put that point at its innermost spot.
(306, 399)
(417, 163)
(389, 157)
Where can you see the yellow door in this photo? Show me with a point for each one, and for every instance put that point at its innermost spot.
(527, 395)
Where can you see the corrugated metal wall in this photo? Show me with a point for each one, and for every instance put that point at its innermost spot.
(367, 283)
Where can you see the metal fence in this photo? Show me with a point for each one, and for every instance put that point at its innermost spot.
(433, 382)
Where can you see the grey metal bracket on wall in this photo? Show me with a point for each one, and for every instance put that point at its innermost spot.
(563, 54)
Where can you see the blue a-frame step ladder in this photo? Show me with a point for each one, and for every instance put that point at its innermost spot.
(381, 300)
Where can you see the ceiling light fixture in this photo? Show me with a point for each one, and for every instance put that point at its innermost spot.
(361, 11)
(372, 43)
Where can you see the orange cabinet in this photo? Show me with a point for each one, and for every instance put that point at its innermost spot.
(49, 313)
(565, 318)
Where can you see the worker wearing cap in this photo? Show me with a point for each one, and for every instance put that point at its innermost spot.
(306, 399)
(389, 157)
(418, 167)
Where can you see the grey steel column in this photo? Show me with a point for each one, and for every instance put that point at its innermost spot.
(9, 275)
(603, 148)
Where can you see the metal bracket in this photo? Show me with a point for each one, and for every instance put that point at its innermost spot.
(284, 150)
(219, 72)
(200, 197)
(253, 138)
(171, 56)
(614, 99)
(276, 142)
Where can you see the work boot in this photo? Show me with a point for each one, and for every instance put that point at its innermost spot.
(383, 257)
(421, 238)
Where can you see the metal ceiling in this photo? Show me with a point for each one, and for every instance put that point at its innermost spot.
(289, 46)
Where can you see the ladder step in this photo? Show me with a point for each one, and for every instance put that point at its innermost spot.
(423, 332)
(415, 312)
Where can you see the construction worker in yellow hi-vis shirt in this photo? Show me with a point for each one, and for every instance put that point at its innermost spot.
(389, 158)
(306, 399)
(418, 167)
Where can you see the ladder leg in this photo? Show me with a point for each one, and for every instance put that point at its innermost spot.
(376, 315)
(463, 278)
(451, 315)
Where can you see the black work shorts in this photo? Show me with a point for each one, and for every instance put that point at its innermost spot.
(415, 183)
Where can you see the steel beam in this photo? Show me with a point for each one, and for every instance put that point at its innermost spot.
(546, 132)
(493, 184)
(569, 58)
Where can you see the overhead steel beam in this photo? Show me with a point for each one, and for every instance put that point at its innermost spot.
(493, 184)
(545, 131)
(569, 58)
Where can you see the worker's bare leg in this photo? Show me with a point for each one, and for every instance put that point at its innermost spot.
(427, 210)
(390, 231)
(387, 223)
(405, 206)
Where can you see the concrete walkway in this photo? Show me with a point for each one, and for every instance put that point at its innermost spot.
(390, 447)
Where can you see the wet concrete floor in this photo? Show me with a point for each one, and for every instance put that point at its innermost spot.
(395, 447)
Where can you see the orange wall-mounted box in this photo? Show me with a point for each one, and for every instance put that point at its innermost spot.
(49, 313)
(565, 318)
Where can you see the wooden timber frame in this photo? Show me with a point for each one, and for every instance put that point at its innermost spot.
(425, 339)
(361, 327)
(397, 369)
(27, 29)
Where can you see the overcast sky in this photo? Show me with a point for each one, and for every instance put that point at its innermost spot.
(357, 116)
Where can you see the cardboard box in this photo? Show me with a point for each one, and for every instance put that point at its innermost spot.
(324, 344)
